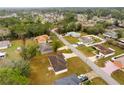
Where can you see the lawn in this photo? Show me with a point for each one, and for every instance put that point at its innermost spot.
(88, 51)
(71, 40)
(12, 53)
(119, 76)
(41, 75)
(97, 81)
(118, 51)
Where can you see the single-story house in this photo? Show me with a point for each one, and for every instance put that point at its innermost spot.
(45, 48)
(5, 44)
(111, 34)
(2, 54)
(86, 40)
(69, 80)
(103, 51)
(58, 63)
(121, 40)
(119, 60)
(73, 34)
(42, 39)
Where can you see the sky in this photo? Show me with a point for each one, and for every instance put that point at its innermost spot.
(61, 3)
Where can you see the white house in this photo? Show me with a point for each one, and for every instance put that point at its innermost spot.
(4, 44)
(73, 34)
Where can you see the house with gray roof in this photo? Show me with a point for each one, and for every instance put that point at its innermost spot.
(58, 63)
(69, 80)
(45, 48)
(111, 34)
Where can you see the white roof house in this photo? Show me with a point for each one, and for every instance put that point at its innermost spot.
(2, 54)
(73, 34)
(4, 44)
(111, 34)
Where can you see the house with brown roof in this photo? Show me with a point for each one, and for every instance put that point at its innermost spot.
(103, 51)
(42, 39)
(58, 63)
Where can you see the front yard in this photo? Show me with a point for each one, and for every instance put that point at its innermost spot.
(71, 40)
(119, 76)
(88, 51)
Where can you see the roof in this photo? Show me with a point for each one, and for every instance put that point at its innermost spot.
(86, 39)
(58, 62)
(2, 54)
(111, 34)
(45, 48)
(74, 34)
(4, 43)
(70, 80)
(42, 38)
(103, 49)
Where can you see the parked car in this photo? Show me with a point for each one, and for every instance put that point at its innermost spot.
(83, 78)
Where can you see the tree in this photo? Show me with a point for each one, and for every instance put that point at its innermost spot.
(29, 52)
(56, 45)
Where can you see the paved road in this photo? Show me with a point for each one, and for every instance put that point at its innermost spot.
(85, 59)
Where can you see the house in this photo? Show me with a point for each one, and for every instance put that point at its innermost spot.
(121, 40)
(73, 34)
(103, 51)
(4, 44)
(58, 63)
(42, 39)
(2, 54)
(86, 40)
(69, 80)
(119, 60)
(45, 48)
(111, 34)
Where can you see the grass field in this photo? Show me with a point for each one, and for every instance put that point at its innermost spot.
(119, 76)
(12, 53)
(88, 51)
(98, 81)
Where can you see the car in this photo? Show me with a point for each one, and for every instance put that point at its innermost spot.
(83, 78)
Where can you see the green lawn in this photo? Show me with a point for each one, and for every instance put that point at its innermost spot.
(118, 51)
(12, 53)
(98, 81)
(41, 75)
(119, 76)
(88, 51)
(71, 40)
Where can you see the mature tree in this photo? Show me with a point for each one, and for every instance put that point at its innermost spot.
(29, 52)
(56, 45)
